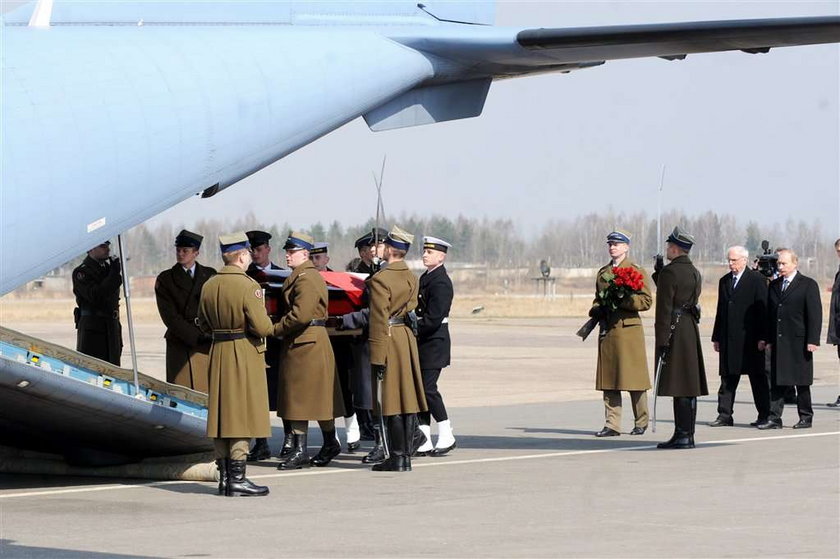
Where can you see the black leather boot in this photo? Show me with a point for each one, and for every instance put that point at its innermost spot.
(239, 485)
(693, 420)
(222, 466)
(365, 424)
(683, 421)
(288, 441)
(299, 458)
(330, 449)
(416, 437)
(261, 451)
(376, 455)
(398, 441)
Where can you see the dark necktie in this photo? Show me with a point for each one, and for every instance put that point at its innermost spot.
(785, 285)
(734, 281)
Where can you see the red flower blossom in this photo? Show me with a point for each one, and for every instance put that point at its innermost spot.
(621, 283)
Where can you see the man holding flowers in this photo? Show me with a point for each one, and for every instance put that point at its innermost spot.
(622, 290)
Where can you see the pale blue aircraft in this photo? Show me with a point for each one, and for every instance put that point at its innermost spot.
(115, 111)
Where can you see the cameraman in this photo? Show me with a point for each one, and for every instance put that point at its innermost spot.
(96, 285)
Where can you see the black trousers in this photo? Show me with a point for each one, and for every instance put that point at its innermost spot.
(760, 384)
(803, 402)
(433, 398)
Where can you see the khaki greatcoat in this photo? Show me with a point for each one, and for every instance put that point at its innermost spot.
(177, 296)
(308, 388)
(237, 397)
(622, 360)
(393, 293)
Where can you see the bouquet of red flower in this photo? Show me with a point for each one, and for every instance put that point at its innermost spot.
(621, 284)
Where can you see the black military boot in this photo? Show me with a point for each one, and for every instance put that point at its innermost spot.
(376, 455)
(398, 441)
(416, 437)
(330, 449)
(365, 424)
(693, 420)
(288, 441)
(222, 466)
(299, 458)
(239, 485)
(261, 451)
(683, 421)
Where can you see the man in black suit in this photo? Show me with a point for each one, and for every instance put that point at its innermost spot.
(834, 316)
(793, 335)
(739, 325)
(260, 263)
(433, 343)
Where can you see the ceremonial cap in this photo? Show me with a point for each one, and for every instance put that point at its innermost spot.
(368, 239)
(399, 239)
(680, 238)
(257, 238)
(188, 239)
(299, 241)
(320, 248)
(234, 241)
(435, 243)
(619, 236)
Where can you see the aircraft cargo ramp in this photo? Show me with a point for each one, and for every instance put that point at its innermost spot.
(58, 401)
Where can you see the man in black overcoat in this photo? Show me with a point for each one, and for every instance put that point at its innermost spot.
(739, 326)
(834, 316)
(433, 343)
(793, 335)
(96, 285)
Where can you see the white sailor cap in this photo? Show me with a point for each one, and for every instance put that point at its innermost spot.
(436, 244)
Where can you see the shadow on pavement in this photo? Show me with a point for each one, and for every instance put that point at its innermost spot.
(14, 551)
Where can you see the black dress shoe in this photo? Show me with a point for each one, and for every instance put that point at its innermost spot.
(607, 432)
(803, 424)
(720, 422)
(353, 447)
(329, 450)
(757, 422)
(638, 430)
(442, 451)
(769, 425)
(835, 404)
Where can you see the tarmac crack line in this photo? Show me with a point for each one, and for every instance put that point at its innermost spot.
(437, 463)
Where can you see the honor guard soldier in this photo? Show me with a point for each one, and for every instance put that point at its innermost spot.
(343, 351)
(96, 285)
(683, 375)
(433, 343)
(394, 359)
(177, 292)
(261, 255)
(622, 361)
(232, 310)
(308, 386)
(371, 247)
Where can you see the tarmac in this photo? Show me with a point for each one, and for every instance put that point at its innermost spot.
(527, 479)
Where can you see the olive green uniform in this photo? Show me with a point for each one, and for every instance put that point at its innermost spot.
(187, 355)
(97, 289)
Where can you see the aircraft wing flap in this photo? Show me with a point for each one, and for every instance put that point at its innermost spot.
(675, 39)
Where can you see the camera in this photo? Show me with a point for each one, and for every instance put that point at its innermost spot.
(767, 263)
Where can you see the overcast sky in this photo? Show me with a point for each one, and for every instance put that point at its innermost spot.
(753, 135)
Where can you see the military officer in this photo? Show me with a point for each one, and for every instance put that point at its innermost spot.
(177, 292)
(261, 255)
(393, 350)
(622, 361)
(371, 247)
(433, 344)
(343, 351)
(232, 310)
(308, 388)
(96, 285)
(683, 377)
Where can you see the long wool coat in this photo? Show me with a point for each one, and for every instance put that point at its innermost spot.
(834, 313)
(177, 296)
(794, 321)
(308, 387)
(622, 360)
(393, 293)
(677, 286)
(740, 323)
(97, 290)
(237, 394)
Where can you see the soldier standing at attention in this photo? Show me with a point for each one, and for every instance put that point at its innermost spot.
(261, 255)
(433, 343)
(96, 285)
(678, 288)
(233, 310)
(393, 350)
(622, 361)
(308, 387)
(177, 292)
